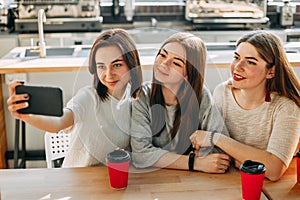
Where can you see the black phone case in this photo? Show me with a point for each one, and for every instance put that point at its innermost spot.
(43, 100)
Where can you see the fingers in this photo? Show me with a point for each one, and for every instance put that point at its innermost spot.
(196, 146)
(222, 162)
(193, 139)
(16, 102)
(14, 98)
(13, 107)
(222, 169)
(213, 163)
(199, 138)
(12, 86)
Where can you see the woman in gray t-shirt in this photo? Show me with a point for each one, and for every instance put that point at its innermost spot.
(172, 107)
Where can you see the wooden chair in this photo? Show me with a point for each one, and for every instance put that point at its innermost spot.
(56, 147)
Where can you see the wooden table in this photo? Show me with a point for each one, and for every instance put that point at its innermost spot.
(93, 183)
(286, 187)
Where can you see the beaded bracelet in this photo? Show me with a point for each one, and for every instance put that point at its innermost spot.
(212, 138)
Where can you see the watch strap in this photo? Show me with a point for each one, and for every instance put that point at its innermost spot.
(191, 161)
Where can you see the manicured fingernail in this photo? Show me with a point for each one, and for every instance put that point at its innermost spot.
(26, 104)
(22, 82)
(26, 96)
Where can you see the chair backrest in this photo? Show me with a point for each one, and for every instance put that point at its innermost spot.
(56, 146)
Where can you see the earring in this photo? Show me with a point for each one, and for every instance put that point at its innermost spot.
(268, 91)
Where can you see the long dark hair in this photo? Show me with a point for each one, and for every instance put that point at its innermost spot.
(121, 39)
(189, 95)
(270, 48)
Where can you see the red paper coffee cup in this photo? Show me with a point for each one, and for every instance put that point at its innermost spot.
(252, 175)
(118, 162)
(298, 166)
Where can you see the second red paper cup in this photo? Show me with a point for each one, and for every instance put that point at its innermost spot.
(252, 174)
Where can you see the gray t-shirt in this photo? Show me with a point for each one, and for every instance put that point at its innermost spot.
(273, 126)
(146, 150)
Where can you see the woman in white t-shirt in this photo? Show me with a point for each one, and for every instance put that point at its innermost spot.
(98, 116)
(260, 105)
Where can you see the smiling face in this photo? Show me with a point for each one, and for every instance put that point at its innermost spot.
(112, 70)
(170, 65)
(248, 68)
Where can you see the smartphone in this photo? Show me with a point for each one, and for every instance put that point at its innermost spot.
(43, 100)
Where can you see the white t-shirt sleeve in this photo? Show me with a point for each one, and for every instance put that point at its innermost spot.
(80, 103)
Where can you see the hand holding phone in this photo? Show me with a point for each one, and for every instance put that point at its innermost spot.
(42, 100)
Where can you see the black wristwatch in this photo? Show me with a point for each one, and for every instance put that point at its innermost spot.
(191, 161)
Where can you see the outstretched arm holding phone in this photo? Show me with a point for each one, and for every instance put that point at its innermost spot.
(52, 124)
(98, 115)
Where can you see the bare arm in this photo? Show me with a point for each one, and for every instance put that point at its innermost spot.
(241, 152)
(212, 163)
(51, 124)
(46, 123)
